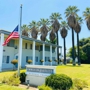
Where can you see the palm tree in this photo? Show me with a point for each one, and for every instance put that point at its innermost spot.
(64, 27)
(86, 14)
(71, 13)
(33, 27)
(25, 30)
(52, 34)
(43, 23)
(77, 29)
(56, 26)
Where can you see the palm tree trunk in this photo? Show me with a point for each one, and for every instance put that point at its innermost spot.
(78, 49)
(57, 48)
(64, 51)
(73, 49)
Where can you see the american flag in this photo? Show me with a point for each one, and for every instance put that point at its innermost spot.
(12, 35)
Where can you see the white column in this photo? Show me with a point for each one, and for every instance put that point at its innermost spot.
(43, 54)
(1, 50)
(51, 53)
(33, 52)
(56, 53)
(20, 53)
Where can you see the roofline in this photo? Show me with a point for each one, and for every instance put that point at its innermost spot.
(31, 39)
(5, 32)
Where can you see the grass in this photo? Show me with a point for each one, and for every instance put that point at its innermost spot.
(7, 87)
(82, 72)
(8, 74)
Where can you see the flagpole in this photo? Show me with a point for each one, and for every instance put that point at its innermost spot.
(20, 43)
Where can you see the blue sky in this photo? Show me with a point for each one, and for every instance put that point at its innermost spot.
(36, 9)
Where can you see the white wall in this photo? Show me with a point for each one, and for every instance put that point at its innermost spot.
(12, 52)
(9, 51)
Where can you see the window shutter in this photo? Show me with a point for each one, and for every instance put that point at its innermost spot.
(7, 59)
(26, 58)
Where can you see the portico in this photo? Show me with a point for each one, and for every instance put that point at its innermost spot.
(30, 48)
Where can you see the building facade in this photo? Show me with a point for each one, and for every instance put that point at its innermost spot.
(30, 48)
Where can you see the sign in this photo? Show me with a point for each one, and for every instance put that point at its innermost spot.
(40, 70)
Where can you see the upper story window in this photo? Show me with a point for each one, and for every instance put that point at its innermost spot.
(25, 45)
(36, 47)
(30, 46)
(11, 43)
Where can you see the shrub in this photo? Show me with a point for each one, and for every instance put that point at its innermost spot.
(41, 61)
(59, 81)
(79, 84)
(50, 60)
(56, 60)
(71, 61)
(14, 61)
(13, 80)
(29, 61)
(22, 77)
(4, 80)
(43, 87)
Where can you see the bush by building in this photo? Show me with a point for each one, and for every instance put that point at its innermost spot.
(43, 87)
(59, 82)
(29, 61)
(22, 77)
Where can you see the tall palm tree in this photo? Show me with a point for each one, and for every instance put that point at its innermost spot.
(33, 27)
(77, 29)
(56, 26)
(25, 30)
(71, 13)
(86, 14)
(43, 23)
(52, 34)
(64, 27)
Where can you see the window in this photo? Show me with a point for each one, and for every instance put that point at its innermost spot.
(53, 49)
(36, 47)
(16, 57)
(36, 59)
(53, 58)
(11, 43)
(6, 59)
(25, 45)
(46, 59)
(28, 58)
(30, 46)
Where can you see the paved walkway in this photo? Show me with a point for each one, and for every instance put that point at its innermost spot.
(30, 88)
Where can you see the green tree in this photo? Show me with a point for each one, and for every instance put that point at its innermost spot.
(55, 17)
(70, 54)
(71, 13)
(83, 53)
(64, 28)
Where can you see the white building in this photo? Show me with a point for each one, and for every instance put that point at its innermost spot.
(31, 49)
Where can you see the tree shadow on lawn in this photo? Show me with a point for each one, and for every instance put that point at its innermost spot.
(71, 65)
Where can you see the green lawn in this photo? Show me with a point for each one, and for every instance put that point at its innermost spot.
(81, 72)
(7, 87)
